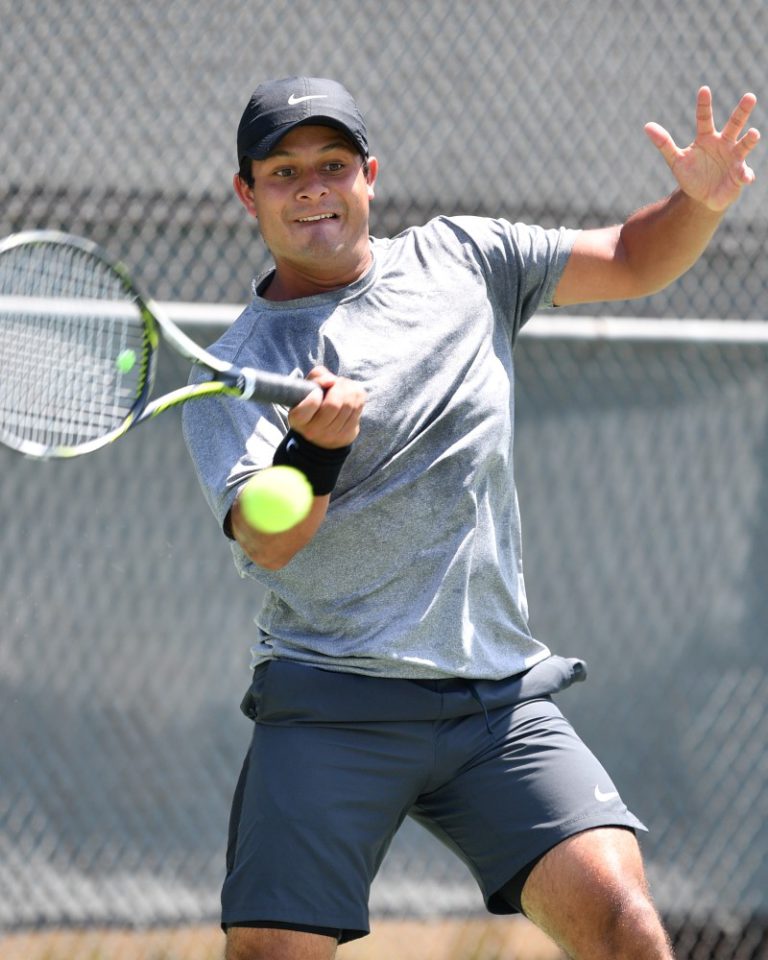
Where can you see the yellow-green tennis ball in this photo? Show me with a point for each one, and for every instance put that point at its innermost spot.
(125, 361)
(276, 499)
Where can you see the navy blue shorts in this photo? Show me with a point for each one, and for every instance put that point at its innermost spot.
(337, 761)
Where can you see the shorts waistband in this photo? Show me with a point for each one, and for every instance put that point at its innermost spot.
(284, 691)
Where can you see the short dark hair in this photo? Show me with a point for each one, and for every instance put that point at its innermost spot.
(246, 171)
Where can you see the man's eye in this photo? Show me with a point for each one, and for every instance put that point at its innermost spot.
(284, 172)
(335, 166)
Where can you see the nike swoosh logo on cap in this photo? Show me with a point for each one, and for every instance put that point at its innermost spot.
(293, 99)
(604, 797)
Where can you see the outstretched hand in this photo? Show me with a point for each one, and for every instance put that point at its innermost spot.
(713, 169)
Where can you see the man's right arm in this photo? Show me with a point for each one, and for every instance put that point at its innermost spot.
(329, 418)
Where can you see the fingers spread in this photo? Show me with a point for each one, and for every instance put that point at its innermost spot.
(705, 120)
(748, 142)
(663, 141)
(740, 116)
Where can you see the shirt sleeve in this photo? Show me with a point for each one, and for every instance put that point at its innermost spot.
(522, 264)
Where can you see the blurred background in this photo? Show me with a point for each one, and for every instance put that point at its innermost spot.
(641, 463)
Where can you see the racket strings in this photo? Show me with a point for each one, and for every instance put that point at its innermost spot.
(66, 320)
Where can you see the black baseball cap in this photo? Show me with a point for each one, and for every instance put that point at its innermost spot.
(277, 106)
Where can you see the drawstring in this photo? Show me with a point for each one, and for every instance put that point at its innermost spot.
(454, 684)
(476, 696)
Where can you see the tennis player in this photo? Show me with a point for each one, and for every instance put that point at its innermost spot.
(394, 670)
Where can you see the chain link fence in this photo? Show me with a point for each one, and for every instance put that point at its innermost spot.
(119, 120)
(642, 467)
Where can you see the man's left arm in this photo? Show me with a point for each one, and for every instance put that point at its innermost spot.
(659, 243)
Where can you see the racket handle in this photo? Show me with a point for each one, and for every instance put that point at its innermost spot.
(274, 388)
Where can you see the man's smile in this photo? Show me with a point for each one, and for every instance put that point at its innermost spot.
(316, 217)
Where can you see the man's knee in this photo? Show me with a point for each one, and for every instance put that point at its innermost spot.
(266, 943)
(631, 928)
(590, 895)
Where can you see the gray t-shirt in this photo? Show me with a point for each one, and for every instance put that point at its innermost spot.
(417, 569)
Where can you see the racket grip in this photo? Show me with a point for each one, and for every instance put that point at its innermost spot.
(275, 388)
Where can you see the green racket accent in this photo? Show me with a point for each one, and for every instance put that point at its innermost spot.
(210, 388)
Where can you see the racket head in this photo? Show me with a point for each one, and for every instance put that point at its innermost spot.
(78, 345)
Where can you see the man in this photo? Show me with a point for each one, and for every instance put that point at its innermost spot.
(394, 670)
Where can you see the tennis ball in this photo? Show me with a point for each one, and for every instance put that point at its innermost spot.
(276, 499)
(125, 361)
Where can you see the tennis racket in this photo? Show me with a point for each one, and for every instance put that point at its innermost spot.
(78, 350)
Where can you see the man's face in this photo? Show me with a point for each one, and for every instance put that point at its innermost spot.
(311, 197)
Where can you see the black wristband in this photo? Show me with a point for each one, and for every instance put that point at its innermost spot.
(319, 465)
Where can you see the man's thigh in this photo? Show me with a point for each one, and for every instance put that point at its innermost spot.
(590, 894)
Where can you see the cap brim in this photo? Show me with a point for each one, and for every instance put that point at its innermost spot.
(267, 144)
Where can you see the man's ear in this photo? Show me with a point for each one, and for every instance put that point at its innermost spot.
(373, 172)
(244, 194)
